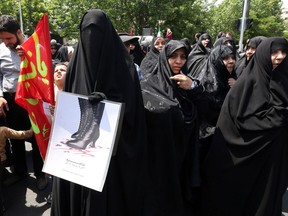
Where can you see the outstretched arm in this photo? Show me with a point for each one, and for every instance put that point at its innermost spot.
(14, 134)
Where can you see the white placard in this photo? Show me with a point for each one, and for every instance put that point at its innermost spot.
(79, 159)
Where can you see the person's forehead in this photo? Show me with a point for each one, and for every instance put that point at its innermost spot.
(60, 67)
(251, 47)
(6, 35)
(159, 40)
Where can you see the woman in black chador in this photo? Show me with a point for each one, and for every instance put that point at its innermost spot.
(246, 169)
(151, 59)
(101, 63)
(251, 46)
(199, 53)
(172, 128)
(217, 75)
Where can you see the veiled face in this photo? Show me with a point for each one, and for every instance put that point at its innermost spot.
(229, 62)
(249, 52)
(277, 57)
(205, 42)
(53, 50)
(177, 59)
(228, 43)
(159, 43)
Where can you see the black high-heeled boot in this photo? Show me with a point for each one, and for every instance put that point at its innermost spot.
(98, 110)
(83, 116)
(91, 131)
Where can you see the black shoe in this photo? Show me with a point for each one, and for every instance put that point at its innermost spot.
(41, 182)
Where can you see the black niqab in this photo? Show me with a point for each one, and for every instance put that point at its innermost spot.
(101, 63)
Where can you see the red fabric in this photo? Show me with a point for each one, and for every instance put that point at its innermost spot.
(35, 83)
(131, 31)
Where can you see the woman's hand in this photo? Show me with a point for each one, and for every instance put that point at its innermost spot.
(20, 50)
(182, 81)
(231, 82)
(3, 106)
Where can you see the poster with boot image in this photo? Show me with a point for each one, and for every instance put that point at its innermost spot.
(83, 139)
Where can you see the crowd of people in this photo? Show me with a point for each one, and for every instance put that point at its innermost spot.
(204, 127)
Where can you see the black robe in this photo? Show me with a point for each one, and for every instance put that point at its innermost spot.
(246, 169)
(172, 129)
(150, 61)
(198, 54)
(101, 63)
(137, 54)
(242, 62)
(62, 54)
(213, 75)
(223, 41)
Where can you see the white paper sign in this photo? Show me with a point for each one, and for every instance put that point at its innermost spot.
(84, 157)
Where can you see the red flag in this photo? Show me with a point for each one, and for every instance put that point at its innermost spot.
(35, 83)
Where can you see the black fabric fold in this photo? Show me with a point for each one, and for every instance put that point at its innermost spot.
(246, 167)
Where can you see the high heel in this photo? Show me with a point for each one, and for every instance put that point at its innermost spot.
(88, 138)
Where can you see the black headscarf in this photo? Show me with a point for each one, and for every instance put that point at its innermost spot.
(150, 60)
(62, 54)
(213, 75)
(56, 46)
(159, 85)
(172, 137)
(242, 62)
(137, 54)
(224, 41)
(258, 91)
(248, 159)
(199, 54)
(187, 43)
(101, 63)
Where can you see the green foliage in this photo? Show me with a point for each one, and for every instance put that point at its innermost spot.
(8, 7)
(266, 17)
(286, 29)
(32, 12)
(224, 17)
(65, 16)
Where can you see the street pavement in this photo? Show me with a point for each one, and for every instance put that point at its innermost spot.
(24, 199)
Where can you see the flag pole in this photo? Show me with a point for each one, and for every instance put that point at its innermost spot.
(159, 30)
(21, 21)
